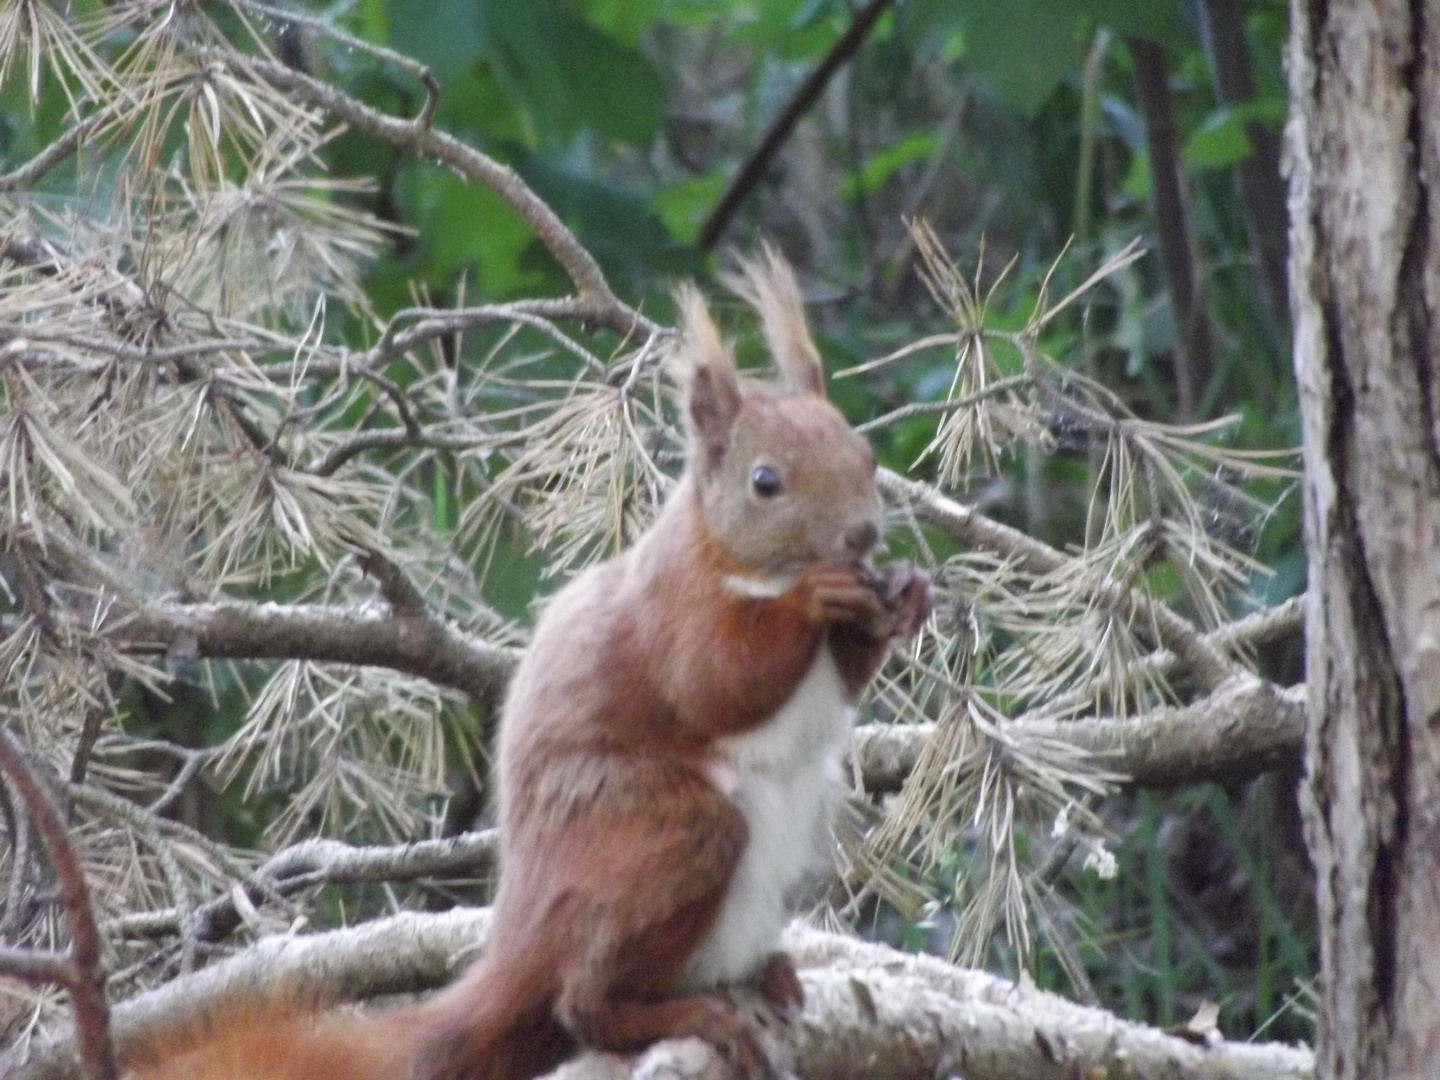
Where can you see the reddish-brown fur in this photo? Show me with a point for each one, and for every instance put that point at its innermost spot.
(620, 835)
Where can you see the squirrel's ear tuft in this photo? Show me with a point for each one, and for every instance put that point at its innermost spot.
(767, 283)
(706, 373)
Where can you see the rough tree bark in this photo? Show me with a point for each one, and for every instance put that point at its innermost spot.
(1364, 155)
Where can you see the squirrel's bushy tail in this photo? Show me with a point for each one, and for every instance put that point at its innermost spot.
(496, 1023)
(273, 1040)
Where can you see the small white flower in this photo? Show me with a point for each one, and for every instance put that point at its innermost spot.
(1101, 860)
(1062, 822)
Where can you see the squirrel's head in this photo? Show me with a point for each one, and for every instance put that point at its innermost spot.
(782, 480)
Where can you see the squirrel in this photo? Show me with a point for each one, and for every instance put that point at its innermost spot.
(667, 750)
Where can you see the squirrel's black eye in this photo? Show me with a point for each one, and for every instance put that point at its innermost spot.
(765, 482)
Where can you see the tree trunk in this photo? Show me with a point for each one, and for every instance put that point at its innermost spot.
(1364, 150)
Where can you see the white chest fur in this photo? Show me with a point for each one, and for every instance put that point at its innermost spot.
(782, 776)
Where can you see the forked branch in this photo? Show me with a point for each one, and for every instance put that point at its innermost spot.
(82, 971)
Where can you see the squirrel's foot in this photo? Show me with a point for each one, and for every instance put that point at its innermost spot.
(779, 985)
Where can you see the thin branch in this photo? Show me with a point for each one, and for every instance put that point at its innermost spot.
(965, 401)
(972, 528)
(312, 863)
(395, 584)
(37, 966)
(194, 760)
(1285, 619)
(87, 968)
(142, 354)
(400, 439)
(146, 827)
(435, 323)
(18, 829)
(432, 145)
(421, 72)
(754, 166)
(25, 175)
(91, 727)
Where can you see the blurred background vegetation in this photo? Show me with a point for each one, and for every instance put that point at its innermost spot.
(1018, 129)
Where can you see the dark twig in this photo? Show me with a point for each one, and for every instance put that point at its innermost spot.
(86, 971)
(395, 584)
(1192, 331)
(90, 728)
(754, 166)
(17, 825)
(1262, 191)
(399, 438)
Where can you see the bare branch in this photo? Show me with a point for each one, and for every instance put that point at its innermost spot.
(886, 752)
(1245, 727)
(405, 953)
(965, 401)
(17, 823)
(145, 826)
(350, 41)
(312, 863)
(25, 175)
(37, 966)
(426, 645)
(86, 968)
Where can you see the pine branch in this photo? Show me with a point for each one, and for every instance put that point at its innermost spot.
(1245, 727)
(973, 529)
(417, 644)
(871, 1012)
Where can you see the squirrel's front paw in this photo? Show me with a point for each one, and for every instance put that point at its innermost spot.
(840, 593)
(904, 591)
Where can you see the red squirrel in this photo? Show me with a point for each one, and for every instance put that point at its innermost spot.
(667, 749)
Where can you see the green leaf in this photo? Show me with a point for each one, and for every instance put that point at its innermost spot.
(1022, 48)
(569, 75)
(1157, 20)
(881, 165)
(462, 225)
(623, 20)
(683, 206)
(1219, 143)
(447, 37)
(616, 223)
(1137, 177)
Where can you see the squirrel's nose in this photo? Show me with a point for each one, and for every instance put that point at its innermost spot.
(861, 537)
